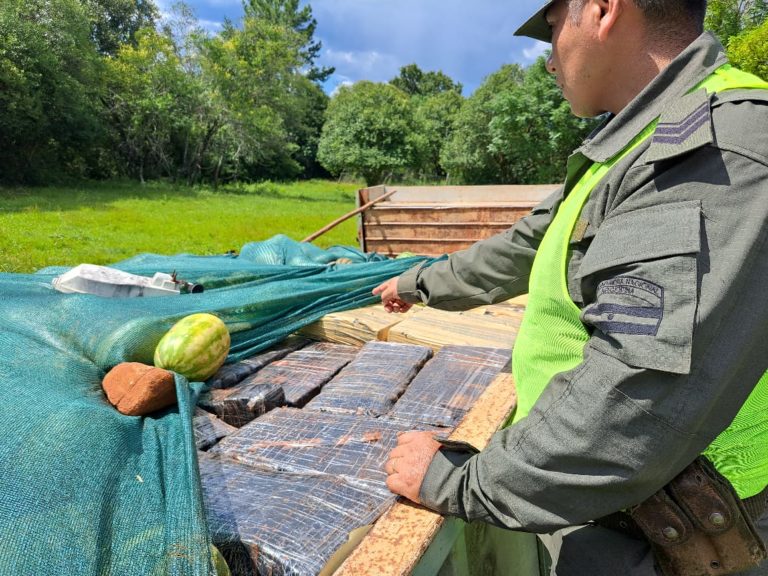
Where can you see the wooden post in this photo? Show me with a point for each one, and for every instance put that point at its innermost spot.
(338, 221)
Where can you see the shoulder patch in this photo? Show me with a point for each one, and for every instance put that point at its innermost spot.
(683, 127)
(627, 305)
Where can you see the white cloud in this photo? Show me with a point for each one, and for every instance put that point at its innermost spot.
(535, 51)
(369, 64)
(211, 25)
(342, 83)
(373, 39)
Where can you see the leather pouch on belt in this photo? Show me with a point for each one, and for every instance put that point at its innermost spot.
(697, 525)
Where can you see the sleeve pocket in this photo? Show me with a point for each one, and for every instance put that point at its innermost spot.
(645, 234)
(639, 279)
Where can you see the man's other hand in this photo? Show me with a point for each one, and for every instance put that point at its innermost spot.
(408, 462)
(390, 298)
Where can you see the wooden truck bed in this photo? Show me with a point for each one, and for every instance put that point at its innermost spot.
(435, 220)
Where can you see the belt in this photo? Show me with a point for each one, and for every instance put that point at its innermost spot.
(622, 522)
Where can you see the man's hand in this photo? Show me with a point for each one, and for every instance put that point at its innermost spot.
(408, 462)
(390, 298)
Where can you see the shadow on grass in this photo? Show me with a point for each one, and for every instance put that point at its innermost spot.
(91, 195)
(270, 190)
(101, 195)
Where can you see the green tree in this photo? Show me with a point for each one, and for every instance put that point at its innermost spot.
(728, 18)
(304, 118)
(749, 50)
(515, 129)
(466, 157)
(533, 130)
(251, 73)
(414, 81)
(434, 117)
(288, 13)
(146, 91)
(435, 101)
(116, 22)
(368, 132)
(49, 81)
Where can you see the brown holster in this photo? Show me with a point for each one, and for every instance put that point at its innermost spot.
(697, 525)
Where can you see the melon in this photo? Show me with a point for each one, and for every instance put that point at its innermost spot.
(195, 347)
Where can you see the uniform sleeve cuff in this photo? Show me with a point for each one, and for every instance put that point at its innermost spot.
(407, 288)
(442, 481)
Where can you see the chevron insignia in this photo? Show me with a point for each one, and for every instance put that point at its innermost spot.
(685, 126)
(679, 132)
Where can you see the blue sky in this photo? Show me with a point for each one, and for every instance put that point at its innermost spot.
(372, 39)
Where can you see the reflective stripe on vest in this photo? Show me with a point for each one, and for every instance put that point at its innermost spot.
(551, 339)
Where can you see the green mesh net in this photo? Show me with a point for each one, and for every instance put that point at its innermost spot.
(86, 490)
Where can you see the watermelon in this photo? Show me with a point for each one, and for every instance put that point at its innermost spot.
(195, 347)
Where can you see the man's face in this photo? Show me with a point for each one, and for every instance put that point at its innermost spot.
(574, 60)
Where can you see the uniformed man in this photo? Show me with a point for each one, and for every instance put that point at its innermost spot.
(640, 441)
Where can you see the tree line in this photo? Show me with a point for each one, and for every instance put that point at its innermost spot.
(100, 89)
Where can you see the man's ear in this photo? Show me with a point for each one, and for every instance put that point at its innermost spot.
(608, 12)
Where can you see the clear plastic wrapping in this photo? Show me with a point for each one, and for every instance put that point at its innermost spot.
(282, 524)
(298, 374)
(302, 441)
(209, 429)
(304, 372)
(373, 381)
(230, 374)
(445, 389)
(243, 402)
(284, 491)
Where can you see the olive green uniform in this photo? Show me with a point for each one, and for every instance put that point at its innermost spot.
(679, 227)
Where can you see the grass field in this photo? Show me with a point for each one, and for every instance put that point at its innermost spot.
(106, 222)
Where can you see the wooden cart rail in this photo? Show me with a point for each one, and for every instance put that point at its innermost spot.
(435, 220)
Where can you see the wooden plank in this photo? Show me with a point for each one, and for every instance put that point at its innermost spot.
(508, 311)
(421, 248)
(509, 192)
(355, 327)
(399, 539)
(445, 215)
(406, 232)
(437, 328)
(420, 242)
(521, 300)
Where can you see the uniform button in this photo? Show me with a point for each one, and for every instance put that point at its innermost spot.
(717, 519)
(670, 533)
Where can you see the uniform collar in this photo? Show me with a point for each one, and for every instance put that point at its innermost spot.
(691, 66)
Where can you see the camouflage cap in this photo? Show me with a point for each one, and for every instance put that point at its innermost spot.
(536, 26)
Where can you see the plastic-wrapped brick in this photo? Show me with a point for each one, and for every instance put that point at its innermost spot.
(447, 387)
(230, 374)
(281, 524)
(259, 393)
(304, 372)
(243, 402)
(340, 445)
(373, 382)
(209, 429)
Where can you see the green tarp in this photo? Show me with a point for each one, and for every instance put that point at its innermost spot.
(85, 490)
